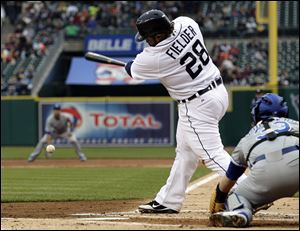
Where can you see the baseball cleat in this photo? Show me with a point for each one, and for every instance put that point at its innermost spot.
(31, 159)
(228, 219)
(155, 207)
(82, 157)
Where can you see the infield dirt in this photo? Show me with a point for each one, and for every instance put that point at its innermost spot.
(103, 215)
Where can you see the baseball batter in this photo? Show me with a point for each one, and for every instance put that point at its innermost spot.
(271, 151)
(58, 125)
(177, 56)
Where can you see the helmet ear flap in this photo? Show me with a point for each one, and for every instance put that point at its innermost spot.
(255, 112)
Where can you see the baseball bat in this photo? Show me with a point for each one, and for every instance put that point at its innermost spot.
(102, 59)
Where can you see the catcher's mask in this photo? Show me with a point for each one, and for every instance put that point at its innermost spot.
(267, 106)
(151, 23)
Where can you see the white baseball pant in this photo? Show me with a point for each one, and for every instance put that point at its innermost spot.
(198, 138)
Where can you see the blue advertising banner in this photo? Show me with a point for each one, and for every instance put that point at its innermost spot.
(116, 123)
(113, 45)
(84, 72)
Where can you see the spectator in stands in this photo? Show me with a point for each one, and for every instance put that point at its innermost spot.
(72, 30)
(227, 67)
(251, 26)
(71, 11)
(283, 78)
(91, 24)
(245, 72)
(208, 24)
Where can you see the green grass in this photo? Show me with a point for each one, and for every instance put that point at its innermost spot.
(22, 153)
(76, 184)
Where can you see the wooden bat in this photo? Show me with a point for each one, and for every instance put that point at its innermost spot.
(102, 59)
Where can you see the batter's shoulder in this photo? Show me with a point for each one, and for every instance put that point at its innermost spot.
(183, 19)
(186, 21)
(148, 57)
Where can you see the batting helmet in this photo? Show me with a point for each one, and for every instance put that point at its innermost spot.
(267, 106)
(57, 107)
(151, 23)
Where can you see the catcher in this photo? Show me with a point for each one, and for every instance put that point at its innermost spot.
(271, 151)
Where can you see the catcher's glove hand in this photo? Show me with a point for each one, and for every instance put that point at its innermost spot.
(217, 201)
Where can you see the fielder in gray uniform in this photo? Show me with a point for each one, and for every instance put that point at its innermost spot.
(271, 151)
(58, 125)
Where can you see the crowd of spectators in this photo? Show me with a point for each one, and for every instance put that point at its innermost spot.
(247, 64)
(36, 24)
(18, 84)
(238, 68)
(218, 17)
(34, 30)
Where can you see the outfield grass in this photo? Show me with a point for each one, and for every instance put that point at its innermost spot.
(77, 184)
(21, 153)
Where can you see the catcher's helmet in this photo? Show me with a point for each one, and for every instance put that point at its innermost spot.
(151, 23)
(267, 106)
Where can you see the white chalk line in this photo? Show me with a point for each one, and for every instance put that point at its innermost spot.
(134, 223)
(105, 214)
(103, 218)
(201, 182)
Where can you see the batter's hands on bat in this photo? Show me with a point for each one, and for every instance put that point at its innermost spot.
(217, 201)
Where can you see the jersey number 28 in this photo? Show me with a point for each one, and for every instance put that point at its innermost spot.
(198, 51)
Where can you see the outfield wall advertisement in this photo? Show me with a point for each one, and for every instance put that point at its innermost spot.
(116, 123)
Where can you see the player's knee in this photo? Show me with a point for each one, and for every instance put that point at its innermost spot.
(236, 201)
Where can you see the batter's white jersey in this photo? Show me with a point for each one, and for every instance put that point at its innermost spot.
(181, 62)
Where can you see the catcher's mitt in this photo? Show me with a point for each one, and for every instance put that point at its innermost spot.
(217, 201)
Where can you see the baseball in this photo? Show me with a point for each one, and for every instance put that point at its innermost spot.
(50, 148)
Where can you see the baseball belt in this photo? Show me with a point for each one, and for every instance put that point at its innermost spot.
(211, 86)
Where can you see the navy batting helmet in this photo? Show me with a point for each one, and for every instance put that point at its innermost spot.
(57, 107)
(267, 106)
(151, 23)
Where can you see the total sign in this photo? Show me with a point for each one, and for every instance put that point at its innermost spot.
(117, 123)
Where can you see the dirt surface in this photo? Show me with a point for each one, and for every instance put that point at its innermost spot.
(104, 215)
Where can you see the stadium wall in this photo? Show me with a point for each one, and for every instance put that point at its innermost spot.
(19, 116)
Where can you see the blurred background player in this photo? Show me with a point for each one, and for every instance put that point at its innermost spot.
(271, 151)
(58, 125)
